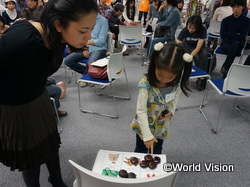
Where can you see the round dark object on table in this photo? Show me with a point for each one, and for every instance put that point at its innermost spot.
(152, 165)
(123, 173)
(157, 159)
(148, 158)
(144, 164)
(131, 175)
(134, 160)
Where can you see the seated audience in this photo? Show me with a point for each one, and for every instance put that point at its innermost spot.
(33, 12)
(103, 6)
(233, 32)
(192, 37)
(10, 15)
(169, 18)
(194, 7)
(153, 12)
(130, 14)
(55, 92)
(97, 47)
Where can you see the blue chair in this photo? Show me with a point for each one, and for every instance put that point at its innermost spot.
(236, 85)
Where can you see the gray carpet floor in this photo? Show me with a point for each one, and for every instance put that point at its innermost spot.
(190, 141)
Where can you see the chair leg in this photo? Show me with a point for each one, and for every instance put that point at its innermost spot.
(93, 112)
(59, 126)
(218, 119)
(204, 102)
(240, 109)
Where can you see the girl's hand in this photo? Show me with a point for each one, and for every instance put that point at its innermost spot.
(161, 7)
(150, 144)
(169, 114)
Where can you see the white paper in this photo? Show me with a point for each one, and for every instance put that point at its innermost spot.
(101, 63)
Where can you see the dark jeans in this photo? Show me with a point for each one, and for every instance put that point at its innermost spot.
(141, 148)
(144, 17)
(200, 59)
(115, 30)
(232, 49)
(31, 176)
(54, 91)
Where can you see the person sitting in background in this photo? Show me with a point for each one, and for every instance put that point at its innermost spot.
(219, 14)
(169, 18)
(233, 32)
(3, 27)
(10, 15)
(112, 15)
(103, 6)
(194, 7)
(153, 12)
(97, 47)
(33, 12)
(192, 37)
(180, 5)
(130, 14)
(55, 92)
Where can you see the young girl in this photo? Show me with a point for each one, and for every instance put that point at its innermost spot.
(130, 14)
(168, 74)
(10, 15)
(193, 39)
(143, 11)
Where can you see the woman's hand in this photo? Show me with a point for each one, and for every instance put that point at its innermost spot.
(169, 114)
(150, 144)
(85, 53)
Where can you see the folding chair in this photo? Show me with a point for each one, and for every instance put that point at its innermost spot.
(214, 29)
(131, 35)
(115, 70)
(59, 126)
(235, 85)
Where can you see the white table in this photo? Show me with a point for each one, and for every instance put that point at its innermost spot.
(111, 162)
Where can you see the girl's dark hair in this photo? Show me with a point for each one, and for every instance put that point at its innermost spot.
(159, 3)
(180, 1)
(172, 2)
(128, 7)
(226, 3)
(238, 3)
(196, 21)
(65, 11)
(170, 58)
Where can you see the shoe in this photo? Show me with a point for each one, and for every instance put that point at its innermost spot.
(83, 84)
(125, 53)
(50, 181)
(146, 63)
(91, 84)
(62, 113)
(201, 84)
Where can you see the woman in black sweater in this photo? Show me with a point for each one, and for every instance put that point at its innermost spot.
(28, 128)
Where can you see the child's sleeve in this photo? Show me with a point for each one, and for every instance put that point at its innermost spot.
(173, 103)
(141, 111)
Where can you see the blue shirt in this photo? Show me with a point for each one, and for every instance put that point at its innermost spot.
(99, 34)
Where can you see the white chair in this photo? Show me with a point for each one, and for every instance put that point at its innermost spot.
(115, 70)
(235, 85)
(130, 35)
(87, 178)
(59, 126)
(214, 29)
(110, 42)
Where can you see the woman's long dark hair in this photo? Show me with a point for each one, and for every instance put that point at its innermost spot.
(65, 11)
(128, 7)
(170, 58)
